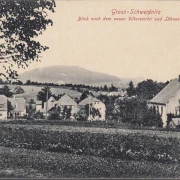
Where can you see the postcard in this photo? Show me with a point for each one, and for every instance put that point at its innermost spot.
(89, 89)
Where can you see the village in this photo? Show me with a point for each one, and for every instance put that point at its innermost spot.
(88, 105)
(83, 104)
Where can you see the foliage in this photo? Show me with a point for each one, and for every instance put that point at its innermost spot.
(18, 90)
(44, 94)
(135, 111)
(1, 81)
(21, 22)
(149, 88)
(38, 115)
(105, 88)
(90, 111)
(9, 106)
(83, 96)
(30, 110)
(112, 88)
(5, 90)
(18, 82)
(54, 113)
(66, 114)
(131, 90)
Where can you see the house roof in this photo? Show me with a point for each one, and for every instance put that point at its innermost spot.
(19, 104)
(176, 121)
(89, 100)
(167, 93)
(66, 101)
(51, 99)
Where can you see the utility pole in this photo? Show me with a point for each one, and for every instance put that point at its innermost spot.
(46, 101)
(89, 105)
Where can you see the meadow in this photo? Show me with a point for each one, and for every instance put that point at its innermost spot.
(49, 150)
(31, 91)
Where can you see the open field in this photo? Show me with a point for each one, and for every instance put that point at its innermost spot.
(16, 162)
(100, 142)
(31, 91)
(60, 151)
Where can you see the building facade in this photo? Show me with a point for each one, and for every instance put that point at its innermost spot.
(167, 101)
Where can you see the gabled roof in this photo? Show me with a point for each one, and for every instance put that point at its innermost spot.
(167, 93)
(176, 121)
(66, 101)
(89, 100)
(51, 99)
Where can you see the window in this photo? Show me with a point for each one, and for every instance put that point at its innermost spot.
(0, 114)
(158, 108)
(161, 109)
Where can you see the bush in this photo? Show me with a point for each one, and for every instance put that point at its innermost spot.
(135, 111)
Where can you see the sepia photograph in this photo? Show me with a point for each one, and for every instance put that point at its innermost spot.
(89, 89)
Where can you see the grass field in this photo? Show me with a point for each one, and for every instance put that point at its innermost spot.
(16, 162)
(31, 91)
(86, 152)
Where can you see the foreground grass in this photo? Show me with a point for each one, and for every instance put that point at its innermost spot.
(16, 162)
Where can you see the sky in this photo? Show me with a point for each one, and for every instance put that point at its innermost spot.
(125, 49)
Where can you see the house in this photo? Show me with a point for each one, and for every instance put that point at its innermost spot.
(95, 103)
(167, 101)
(69, 102)
(18, 105)
(116, 93)
(174, 123)
(51, 103)
(3, 107)
(38, 106)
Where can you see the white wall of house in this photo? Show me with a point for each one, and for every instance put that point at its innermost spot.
(3, 115)
(162, 109)
(38, 107)
(102, 109)
(49, 105)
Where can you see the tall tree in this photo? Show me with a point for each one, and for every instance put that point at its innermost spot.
(83, 96)
(105, 88)
(44, 93)
(131, 91)
(21, 21)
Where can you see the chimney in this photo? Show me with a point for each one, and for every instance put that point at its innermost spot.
(179, 78)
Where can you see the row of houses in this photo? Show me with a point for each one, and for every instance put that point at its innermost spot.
(18, 106)
(69, 102)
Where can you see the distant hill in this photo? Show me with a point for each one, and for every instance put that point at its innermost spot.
(70, 74)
